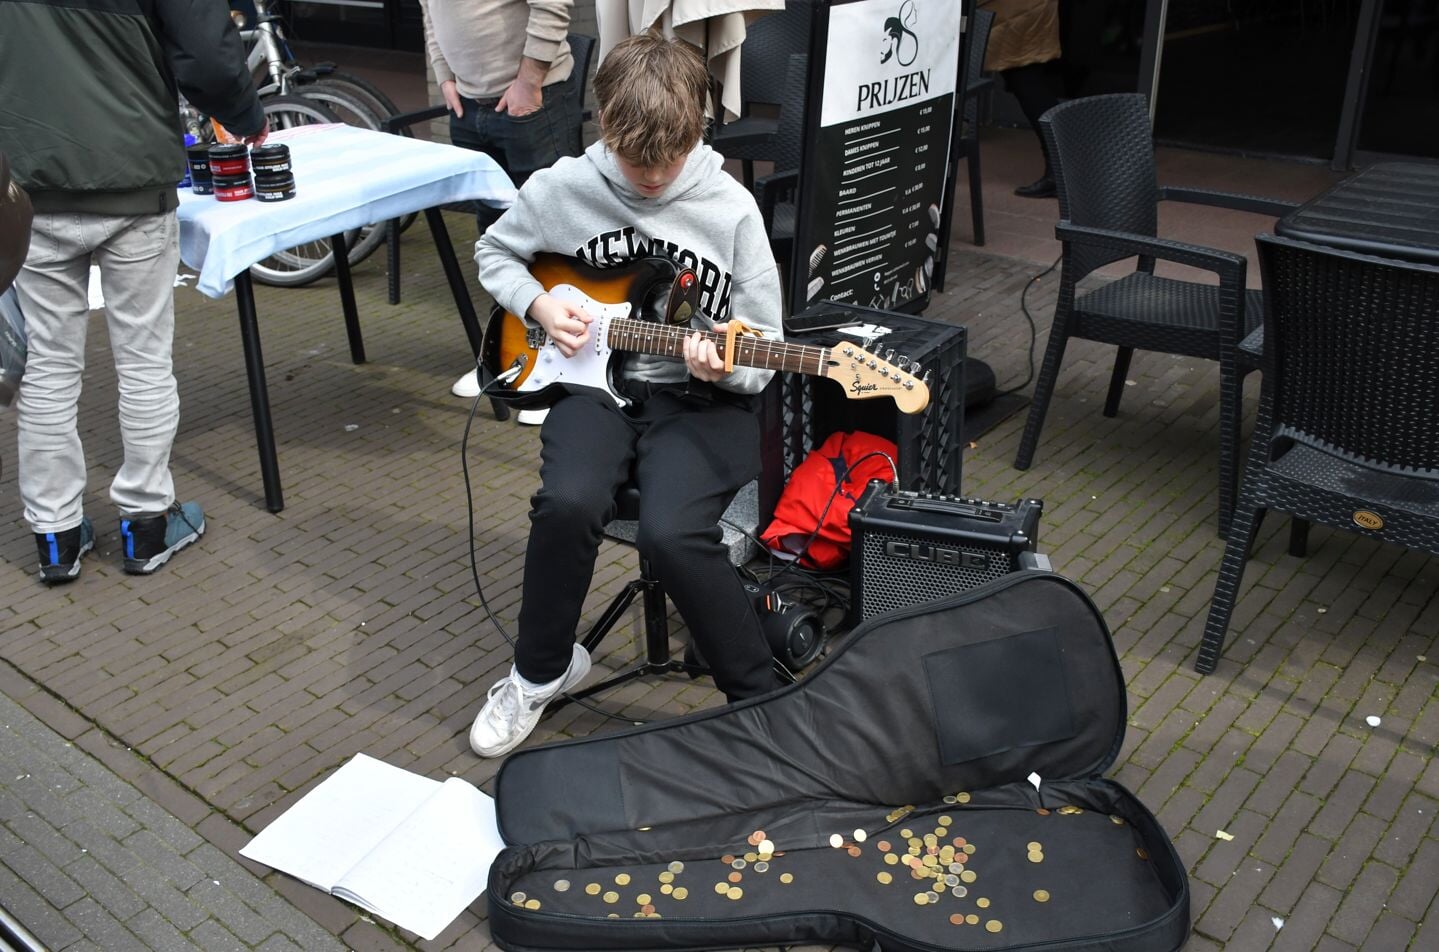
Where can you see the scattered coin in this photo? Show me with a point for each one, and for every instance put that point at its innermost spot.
(1141, 852)
(854, 851)
(1041, 895)
(1034, 847)
(961, 797)
(786, 878)
(562, 885)
(611, 897)
(592, 889)
(761, 867)
(1036, 856)
(959, 892)
(647, 909)
(1042, 811)
(982, 902)
(890, 859)
(735, 877)
(721, 888)
(921, 899)
(518, 898)
(676, 867)
(532, 904)
(734, 892)
(681, 893)
(644, 899)
(766, 846)
(727, 858)
(957, 919)
(860, 836)
(666, 889)
(884, 877)
(972, 919)
(622, 879)
(968, 876)
(883, 845)
(836, 840)
(1117, 820)
(945, 821)
(739, 864)
(994, 925)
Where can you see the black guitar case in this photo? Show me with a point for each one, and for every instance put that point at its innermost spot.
(935, 783)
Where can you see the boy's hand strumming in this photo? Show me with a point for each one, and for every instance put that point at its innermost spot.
(703, 358)
(566, 323)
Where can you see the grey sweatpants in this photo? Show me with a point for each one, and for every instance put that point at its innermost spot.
(137, 257)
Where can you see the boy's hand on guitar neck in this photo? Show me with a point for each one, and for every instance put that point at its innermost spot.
(564, 322)
(703, 358)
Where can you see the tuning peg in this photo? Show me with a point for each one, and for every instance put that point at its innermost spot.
(925, 379)
(889, 355)
(904, 361)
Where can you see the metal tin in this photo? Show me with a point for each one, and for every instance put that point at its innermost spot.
(230, 158)
(233, 188)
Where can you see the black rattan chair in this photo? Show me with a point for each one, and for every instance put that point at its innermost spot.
(764, 58)
(778, 193)
(1104, 169)
(1346, 435)
(966, 135)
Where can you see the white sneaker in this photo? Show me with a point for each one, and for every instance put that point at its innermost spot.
(512, 709)
(532, 417)
(468, 385)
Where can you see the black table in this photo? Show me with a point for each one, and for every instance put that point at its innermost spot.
(1390, 209)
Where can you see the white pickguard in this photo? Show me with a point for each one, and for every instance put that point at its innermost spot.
(590, 366)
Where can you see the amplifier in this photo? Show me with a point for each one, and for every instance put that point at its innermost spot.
(909, 547)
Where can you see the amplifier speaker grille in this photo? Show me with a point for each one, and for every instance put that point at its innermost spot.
(890, 581)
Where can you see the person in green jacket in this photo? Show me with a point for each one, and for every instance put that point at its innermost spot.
(91, 124)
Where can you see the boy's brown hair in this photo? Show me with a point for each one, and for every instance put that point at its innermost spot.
(651, 94)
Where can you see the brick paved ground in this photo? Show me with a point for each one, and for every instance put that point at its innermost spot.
(281, 645)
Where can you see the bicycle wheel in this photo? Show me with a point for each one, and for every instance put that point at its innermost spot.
(364, 90)
(306, 263)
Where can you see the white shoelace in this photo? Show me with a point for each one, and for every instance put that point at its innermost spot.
(507, 709)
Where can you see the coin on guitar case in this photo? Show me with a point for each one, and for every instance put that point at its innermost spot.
(622, 879)
(721, 888)
(643, 899)
(518, 898)
(921, 899)
(676, 867)
(735, 877)
(884, 877)
(681, 893)
(761, 867)
(611, 897)
(666, 889)
(1035, 856)
(765, 845)
(667, 877)
(1034, 846)
(957, 919)
(994, 925)
(532, 904)
(562, 885)
(836, 840)
(1141, 852)
(1041, 895)
(982, 902)
(592, 889)
(786, 878)
(734, 893)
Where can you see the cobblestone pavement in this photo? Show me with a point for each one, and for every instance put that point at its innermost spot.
(203, 701)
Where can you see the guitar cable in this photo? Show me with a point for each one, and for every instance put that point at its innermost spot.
(508, 376)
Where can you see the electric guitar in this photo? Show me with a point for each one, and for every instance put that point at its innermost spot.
(540, 374)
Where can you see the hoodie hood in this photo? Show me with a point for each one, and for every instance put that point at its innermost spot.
(698, 175)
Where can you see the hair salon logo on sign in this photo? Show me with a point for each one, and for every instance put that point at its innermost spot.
(899, 44)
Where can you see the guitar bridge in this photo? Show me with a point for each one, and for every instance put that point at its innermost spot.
(535, 337)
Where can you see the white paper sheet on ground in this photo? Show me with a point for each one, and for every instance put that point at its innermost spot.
(408, 848)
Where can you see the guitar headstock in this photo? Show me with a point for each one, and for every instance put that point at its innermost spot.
(863, 374)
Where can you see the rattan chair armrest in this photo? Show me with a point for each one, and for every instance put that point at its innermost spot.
(1257, 204)
(405, 119)
(1229, 266)
(772, 189)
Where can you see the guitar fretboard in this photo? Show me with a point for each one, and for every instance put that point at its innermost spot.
(647, 337)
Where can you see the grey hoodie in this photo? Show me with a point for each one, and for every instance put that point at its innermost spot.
(705, 220)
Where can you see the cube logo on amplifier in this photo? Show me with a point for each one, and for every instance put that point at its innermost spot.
(910, 548)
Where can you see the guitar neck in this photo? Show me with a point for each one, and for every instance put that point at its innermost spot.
(648, 337)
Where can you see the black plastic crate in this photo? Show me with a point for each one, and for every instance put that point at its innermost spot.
(930, 443)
